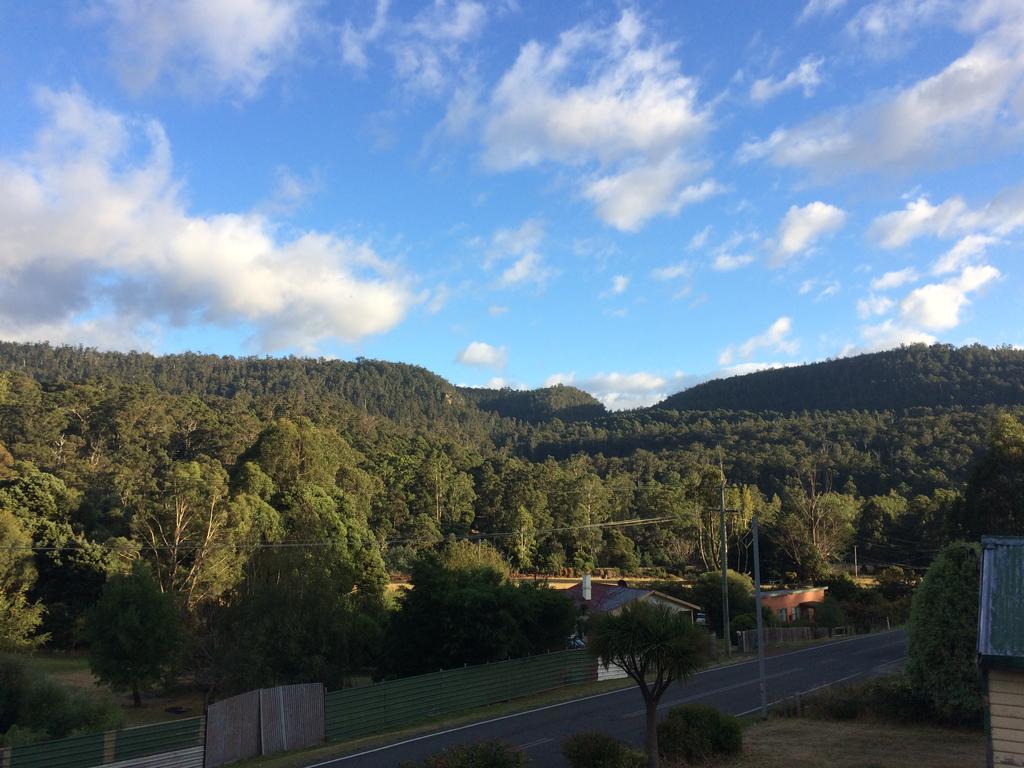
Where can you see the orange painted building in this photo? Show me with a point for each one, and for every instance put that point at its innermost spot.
(791, 604)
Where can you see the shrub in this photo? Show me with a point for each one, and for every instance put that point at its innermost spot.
(696, 733)
(34, 708)
(485, 754)
(598, 750)
(892, 698)
(943, 633)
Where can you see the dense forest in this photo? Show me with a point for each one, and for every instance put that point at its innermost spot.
(257, 490)
(937, 376)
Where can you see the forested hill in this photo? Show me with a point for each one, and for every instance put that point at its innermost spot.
(536, 405)
(936, 376)
(406, 394)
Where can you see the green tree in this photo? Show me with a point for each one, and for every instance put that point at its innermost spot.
(134, 632)
(19, 618)
(655, 646)
(707, 593)
(994, 500)
(191, 531)
(943, 633)
(470, 614)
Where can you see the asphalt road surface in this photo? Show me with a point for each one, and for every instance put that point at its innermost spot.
(733, 689)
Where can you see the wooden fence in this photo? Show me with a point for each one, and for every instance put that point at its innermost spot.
(747, 641)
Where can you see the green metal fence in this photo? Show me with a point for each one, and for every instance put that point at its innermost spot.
(349, 713)
(355, 712)
(97, 749)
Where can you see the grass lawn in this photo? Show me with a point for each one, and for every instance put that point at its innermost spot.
(807, 743)
(72, 672)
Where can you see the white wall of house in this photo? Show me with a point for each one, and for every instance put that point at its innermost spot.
(1006, 716)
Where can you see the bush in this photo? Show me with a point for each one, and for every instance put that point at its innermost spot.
(840, 586)
(696, 733)
(485, 754)
(943, 633)
(598, 750)
(891, 699)
(34, 708)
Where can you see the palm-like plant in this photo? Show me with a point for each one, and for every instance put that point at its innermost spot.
(655, 646)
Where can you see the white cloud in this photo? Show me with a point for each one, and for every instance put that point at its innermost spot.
(529, 268)
(620, 391)
(483, 355)
(919, 217)
(881, 26)
(521, 244)
(427, 51)
(496, 310)
(936, 307)
(894, 279)
(496, 382)
(820, 8)
(673, 271)
(776, 339)
(354, 42)
(888, 335)
(619, 284)
(438, 299)
(698, 241)
(1000, 216)
(806, 76)
(726, 262)
(524, 239)
(629, 199)
(232, 45)
(107, 238)
(874, 305)
(971, 103)
(825, 288)
(966, 250)
(613, 104)
(802, 227)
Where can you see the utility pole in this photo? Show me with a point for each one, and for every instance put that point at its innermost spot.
(760, 624)
(725, 578)
(855, 561)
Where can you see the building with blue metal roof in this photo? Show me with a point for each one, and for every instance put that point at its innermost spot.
(1001, 648)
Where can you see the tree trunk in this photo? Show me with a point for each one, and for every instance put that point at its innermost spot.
(136, 696)
(651, 739)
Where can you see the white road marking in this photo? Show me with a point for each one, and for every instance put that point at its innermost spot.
(536, 743)
(335, 760)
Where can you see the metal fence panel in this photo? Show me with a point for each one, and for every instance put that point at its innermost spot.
(356, 712)
(233, 729)
(74, 752)
(161, 737)
(181, 758)
(291, 717)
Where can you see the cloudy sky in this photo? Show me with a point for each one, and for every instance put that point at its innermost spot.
(628, 197)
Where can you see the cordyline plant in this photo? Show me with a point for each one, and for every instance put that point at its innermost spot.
(655, 646)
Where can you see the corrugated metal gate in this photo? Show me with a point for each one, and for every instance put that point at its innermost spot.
(291, 717)
(264, 722)
(233, 729)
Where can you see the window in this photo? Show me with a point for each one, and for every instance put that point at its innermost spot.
(796, 612)
(782, 614)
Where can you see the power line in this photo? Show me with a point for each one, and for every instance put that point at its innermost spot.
(322, 543)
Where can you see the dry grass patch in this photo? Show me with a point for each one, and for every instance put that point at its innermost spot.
(805, 743)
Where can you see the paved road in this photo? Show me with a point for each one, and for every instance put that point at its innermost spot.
(732, 689)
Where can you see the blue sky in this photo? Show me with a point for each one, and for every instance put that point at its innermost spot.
(627, 197)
